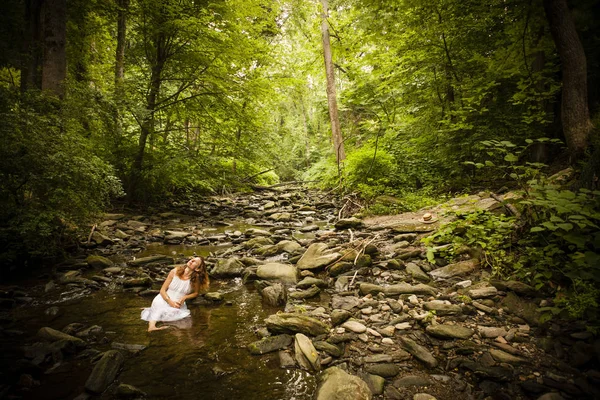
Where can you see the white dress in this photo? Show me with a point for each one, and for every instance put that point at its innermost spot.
(160, 310)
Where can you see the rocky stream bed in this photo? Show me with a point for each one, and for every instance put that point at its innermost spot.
(302, 305)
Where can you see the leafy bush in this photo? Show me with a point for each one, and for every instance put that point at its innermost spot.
(52, 182)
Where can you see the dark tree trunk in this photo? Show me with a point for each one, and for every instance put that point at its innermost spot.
(121, 35)
(574, 106)
(54, 33)
(31, 63)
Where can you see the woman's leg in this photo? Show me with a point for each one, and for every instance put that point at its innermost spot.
(152, 326)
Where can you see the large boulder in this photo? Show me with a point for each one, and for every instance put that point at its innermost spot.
(336, 384)
(317, 256)
(105, 371)
(293, 323)
(228, 268)
(285, 273)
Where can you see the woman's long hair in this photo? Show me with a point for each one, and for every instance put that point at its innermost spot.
(201, 276)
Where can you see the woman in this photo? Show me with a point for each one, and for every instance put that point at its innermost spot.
(183, 283)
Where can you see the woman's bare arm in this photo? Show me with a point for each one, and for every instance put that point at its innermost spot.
(165, 287)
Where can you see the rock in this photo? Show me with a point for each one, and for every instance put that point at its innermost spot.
(354, 326)
(386, 370)
(339, 268)
(176, 236)
(99, 262)
(112, 270)
(405, 288)
(413, 226)
(101, 240)
(420, 352)
(339, 316)
(522, 308)
(316, 256)
(159, 259)
(409, 253)
(344, 302)
(503, 357)
(269, 344)
(329, 348)
(495, 373)
(463, 284)
(458, 269)
(491, 332)
(305, 294)
(551, 396)
(125, 391)
(379, 358)
(442, 308)
(286, 360)
(449, 331)
(514, 286)
(257, 242)
(417, 273)
(281, 217)
(310, 281)
(215, 297)
(293, 323)
(484, 292)
(348, 223)
(285, 273)
(121, 235)
(53, 335)
(105, 371)
(306, 354)
(336, 384)
(136, 282)
(134, 348)
(413, 380)
(274, 295)
(257, 232)
(228, 268)
(375, 382)
(423, 396)
(369, 288)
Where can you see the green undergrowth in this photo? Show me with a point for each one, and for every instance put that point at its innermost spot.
(553, 243)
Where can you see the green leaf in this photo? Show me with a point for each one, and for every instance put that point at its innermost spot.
(566, 226)
(511, 158)
(537, 229)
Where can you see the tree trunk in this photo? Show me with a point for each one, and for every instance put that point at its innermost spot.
(574, 106)
(338, 143)
(32, 46)
(121, 35)
(54, 63)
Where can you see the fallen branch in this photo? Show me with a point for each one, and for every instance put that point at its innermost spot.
(258, 187)
(91, 233)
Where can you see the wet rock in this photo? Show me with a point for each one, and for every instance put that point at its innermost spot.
(99, 262)
(522, 308)
(305, 294)
(491, 332)
(449, 331)
(376, 383)
(228, 268)
(269, 344)
(274, 295)
(484, 292)
(133, 348)
(370, 288)
(514, 286)
(457, 269)
(386, 370)
(51, 313)
(442, 308)
(329, 348)
(91, 331)
(336, 384)
(286, 360)
(136, 282)
(419, 352)
(215, 297)
(405, 288)
(317, 256)
(101, 240)
(413, 380)
(354, 326)
(408, 253)
(504, 357)
(417, 273)
(125, 391)
(293, 323)
(339, 316)
(158, 259)
(281, 217)
(285, 273)
(306, 354)
(349, 223)
(394, 264)
(53, 335)
(257, 232)
(105, 371)
(310, 281)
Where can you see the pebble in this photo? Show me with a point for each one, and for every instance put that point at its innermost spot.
(387, 341)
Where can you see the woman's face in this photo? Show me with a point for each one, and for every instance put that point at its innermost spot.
(194, 264)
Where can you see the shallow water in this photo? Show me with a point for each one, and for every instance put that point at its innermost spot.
(204, 357)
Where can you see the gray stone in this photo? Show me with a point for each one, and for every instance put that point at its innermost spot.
(344, 302)
(305, 294)
(420, 352)
(386, 370)
(129, 391)
(522, 308)
(257, 232)
(423, 396)
(228, 268)
(286, 360)
(336, 384)
(339, 268)
(317, 256)
(442, 308)
(274, 295)
(339, 316)
(504, 357)
(105, 371)
(484, 292)
(215, 297)
(269, 344)
(413, 380)
(354, 326)
(413, 226)
(52, 335)
(449, 331)
(348, 223)
(379, 358)
(99, 262)
(257, 242)
(458, 269)
(405, 288)
(329, 348)
(514, 286)
(306, 354)
(369, 288)
(310, 281)
(491, 331)
(293, 323)
(285, 273)
(375, 382)
(101, 239)
(417, 273)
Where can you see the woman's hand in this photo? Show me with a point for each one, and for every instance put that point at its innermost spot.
(180, 302)
(174, 304)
